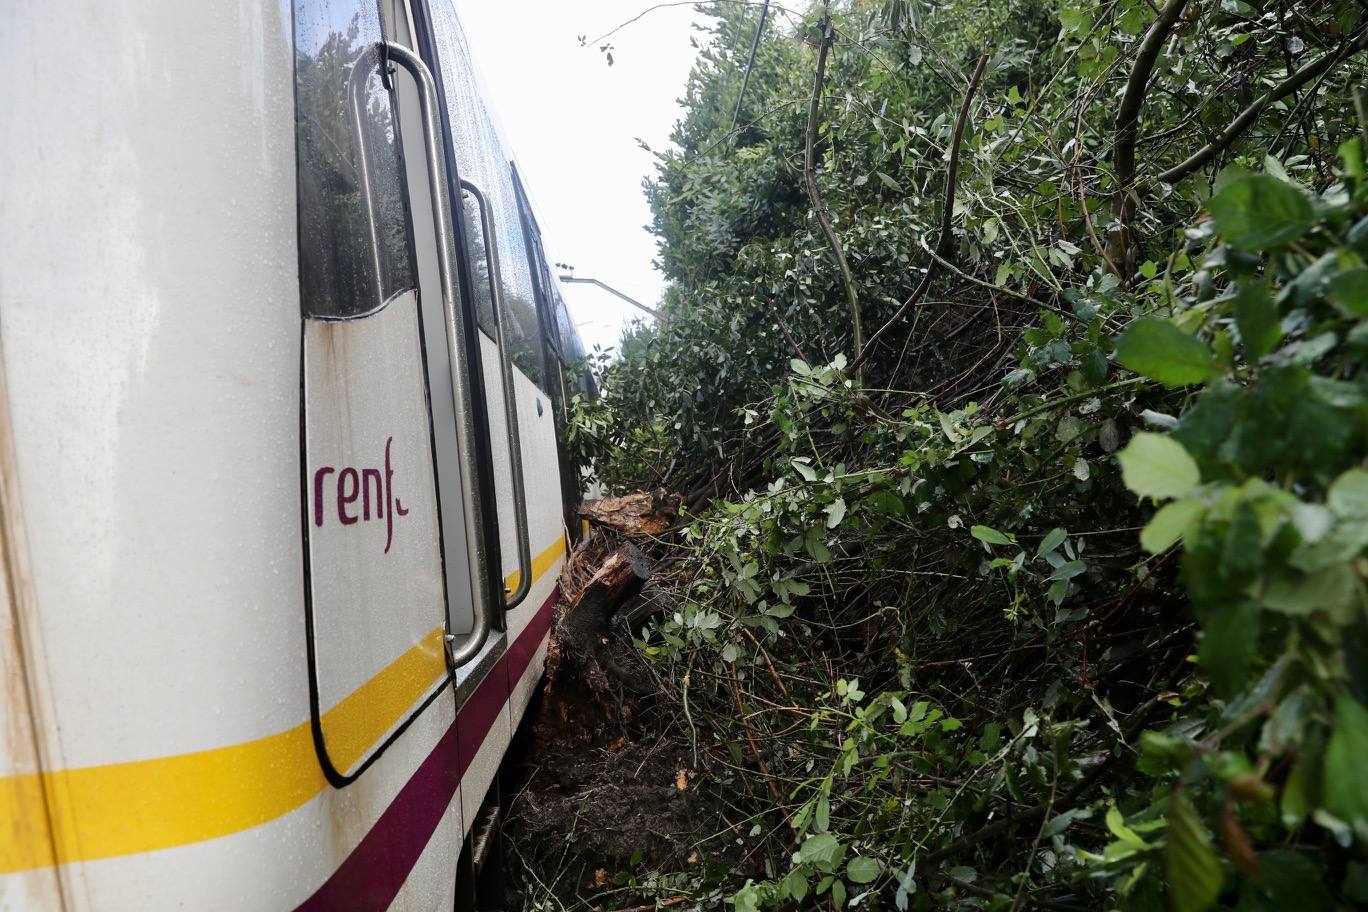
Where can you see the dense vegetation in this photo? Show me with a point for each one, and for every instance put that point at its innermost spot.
(1052, 595)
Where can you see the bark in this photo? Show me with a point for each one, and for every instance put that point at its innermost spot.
(1127, 126)
(641, 513)
(815, 196)
(1246, 118)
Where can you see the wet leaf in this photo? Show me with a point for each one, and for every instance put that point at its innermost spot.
(1190, 863)
(1257, 318)
(1161, 351)
(863, 870)
(1258, 211)
(1153, 465)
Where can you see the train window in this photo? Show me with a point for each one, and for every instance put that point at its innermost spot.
(478, 258)
(521, 330)
(570, 346)
(353, 243)
(481, 159)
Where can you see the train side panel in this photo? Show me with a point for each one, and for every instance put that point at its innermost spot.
(150, 330)
(163, 732)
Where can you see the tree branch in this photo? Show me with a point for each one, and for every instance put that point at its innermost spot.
(1247, 117)
(942, 248)
(810, 176)
(1127, 124)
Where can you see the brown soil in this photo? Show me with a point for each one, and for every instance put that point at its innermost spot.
(598, 785)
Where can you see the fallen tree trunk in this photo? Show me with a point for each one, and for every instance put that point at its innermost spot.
(642, 513)
(583, 623)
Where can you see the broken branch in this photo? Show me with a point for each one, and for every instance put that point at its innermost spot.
(947, 215)
(815, 196)
(1247, 117)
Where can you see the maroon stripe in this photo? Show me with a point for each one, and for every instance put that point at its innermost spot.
(522, 650)
(370, 877)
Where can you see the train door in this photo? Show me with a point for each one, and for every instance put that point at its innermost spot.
(510, 340)
(558, 360)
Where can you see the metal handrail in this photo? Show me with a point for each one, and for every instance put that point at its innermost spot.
(514, 598)
(456, 339)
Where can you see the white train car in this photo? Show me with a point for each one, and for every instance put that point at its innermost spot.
(282, 505)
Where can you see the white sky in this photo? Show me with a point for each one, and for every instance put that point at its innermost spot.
(573, 122)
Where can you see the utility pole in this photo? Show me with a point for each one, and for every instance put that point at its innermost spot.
(570, 277)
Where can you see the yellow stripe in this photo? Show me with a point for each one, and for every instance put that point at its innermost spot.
(142, 805)
(540, 564)
(363, 717)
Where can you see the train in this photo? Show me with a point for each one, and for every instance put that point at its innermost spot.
(284, 490)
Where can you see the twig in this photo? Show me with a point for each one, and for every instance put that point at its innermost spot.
(784, 328)
(660, 904)
(1035, 844)
(750, 736)
(1069, 797)
(651, 9)
(1246, 118)
(815, 196)
(947, 215)
(778, 681)
(1127, 124)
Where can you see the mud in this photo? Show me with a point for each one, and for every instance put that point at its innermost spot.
(599, 786)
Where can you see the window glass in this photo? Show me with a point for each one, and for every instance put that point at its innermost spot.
(478, 259)
(481, 159)
(344, 271)
(571, 347)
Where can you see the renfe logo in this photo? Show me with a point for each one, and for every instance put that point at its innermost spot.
(353, 484)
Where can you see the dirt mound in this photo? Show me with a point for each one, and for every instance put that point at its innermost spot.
(600, 785)
(609, 808)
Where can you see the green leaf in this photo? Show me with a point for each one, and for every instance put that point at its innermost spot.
(1170, 524)
(1242, 557)
(1259, 211)
(1053, 539)
(1346, 765)
(796, 884)
(1292, 881)
(863, 870)
(817, 547)
(800, 367)
(1348, 496)
(991, 536)
(835, 511)
(1190, 864)
(1356, 882)
(1068, 570)
(1348, 291)
(1329, 589)
(820, 849)
(747, 899)
(1153, 465)
(838, 894)
(1351, 152)
(1116, 823)
(1230, 635)
(1163, 352)
(1257, 317)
